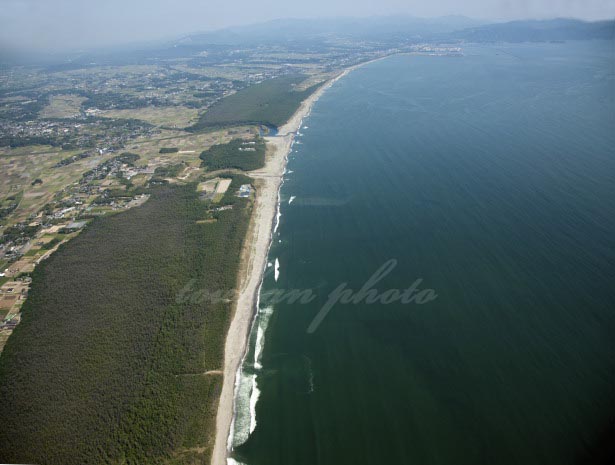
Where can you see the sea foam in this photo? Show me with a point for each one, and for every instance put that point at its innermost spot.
(278, 215)
(231, 461)
(254, 395)
(263, 323)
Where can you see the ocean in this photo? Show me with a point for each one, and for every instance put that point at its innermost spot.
(477, 193)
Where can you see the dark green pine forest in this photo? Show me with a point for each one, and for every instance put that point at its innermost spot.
(109, 364)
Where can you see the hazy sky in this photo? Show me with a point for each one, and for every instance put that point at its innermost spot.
(86, 23)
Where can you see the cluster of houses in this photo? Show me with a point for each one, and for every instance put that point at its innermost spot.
(248, 146)
(244, 191)
(129, 172)
(12, 296)
(76, 201)
(76, 133)
(437, 50)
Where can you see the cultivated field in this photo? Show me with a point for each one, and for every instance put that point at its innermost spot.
(20, 167)
(62, 106)
(171, 117)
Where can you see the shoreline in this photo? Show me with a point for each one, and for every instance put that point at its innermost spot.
(268, 181)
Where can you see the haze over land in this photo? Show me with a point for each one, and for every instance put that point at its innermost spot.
(74, 24)
(169, 185)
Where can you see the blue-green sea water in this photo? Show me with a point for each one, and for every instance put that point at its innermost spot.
(491, 178)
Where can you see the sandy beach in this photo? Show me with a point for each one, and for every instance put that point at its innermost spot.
(267, 184)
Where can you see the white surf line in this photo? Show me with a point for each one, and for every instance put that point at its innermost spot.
(258, 348)
(278, 213)
(231, 461)
(253, 400)
(277, 270)
(229, 448)
(238, 374)
(264, 317)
